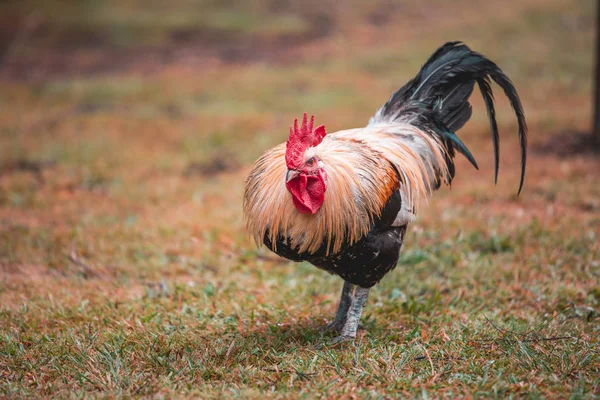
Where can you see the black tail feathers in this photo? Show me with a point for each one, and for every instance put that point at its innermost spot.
(437, 99)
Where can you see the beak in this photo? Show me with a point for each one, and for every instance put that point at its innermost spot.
(291, 174)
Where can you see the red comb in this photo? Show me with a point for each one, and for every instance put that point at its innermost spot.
(301, 139)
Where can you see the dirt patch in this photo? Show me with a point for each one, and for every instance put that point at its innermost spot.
(36, 168)
(31, 49)
(568, 144)
(217, 164)
(385, 14)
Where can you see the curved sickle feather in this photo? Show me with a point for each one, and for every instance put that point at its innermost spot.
(488, 97)
(510, 91)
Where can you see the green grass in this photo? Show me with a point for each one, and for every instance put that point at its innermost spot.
(453, 319)
(125, 269)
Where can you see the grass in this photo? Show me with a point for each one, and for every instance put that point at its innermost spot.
(125, 268)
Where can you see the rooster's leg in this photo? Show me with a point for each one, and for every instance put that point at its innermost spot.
(351, 326)
(342, 311)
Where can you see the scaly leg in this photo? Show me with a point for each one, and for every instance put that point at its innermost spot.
(351, 326)
(342, 311)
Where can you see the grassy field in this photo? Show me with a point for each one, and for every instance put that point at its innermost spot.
(126, 132)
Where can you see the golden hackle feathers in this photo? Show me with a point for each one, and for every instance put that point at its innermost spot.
(364, 166)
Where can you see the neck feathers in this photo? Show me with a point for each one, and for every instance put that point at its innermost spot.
(364, 167)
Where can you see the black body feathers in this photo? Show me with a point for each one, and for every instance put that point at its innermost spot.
(363, 263)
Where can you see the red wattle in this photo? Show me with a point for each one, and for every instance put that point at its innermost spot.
(308, 192)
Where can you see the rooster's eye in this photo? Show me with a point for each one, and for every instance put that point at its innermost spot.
(310, 162)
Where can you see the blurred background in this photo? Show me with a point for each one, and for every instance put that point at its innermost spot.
(127, 129)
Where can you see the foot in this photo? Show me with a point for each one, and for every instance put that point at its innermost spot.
(341, 314)
(354, 313)
(336, 325)
(340, 339)
(348, 331)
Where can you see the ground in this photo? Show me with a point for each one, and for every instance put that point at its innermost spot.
(126, 132)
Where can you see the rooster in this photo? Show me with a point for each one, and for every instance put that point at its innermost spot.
(343, 201)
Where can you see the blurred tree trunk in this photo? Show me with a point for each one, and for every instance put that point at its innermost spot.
(596, 127)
